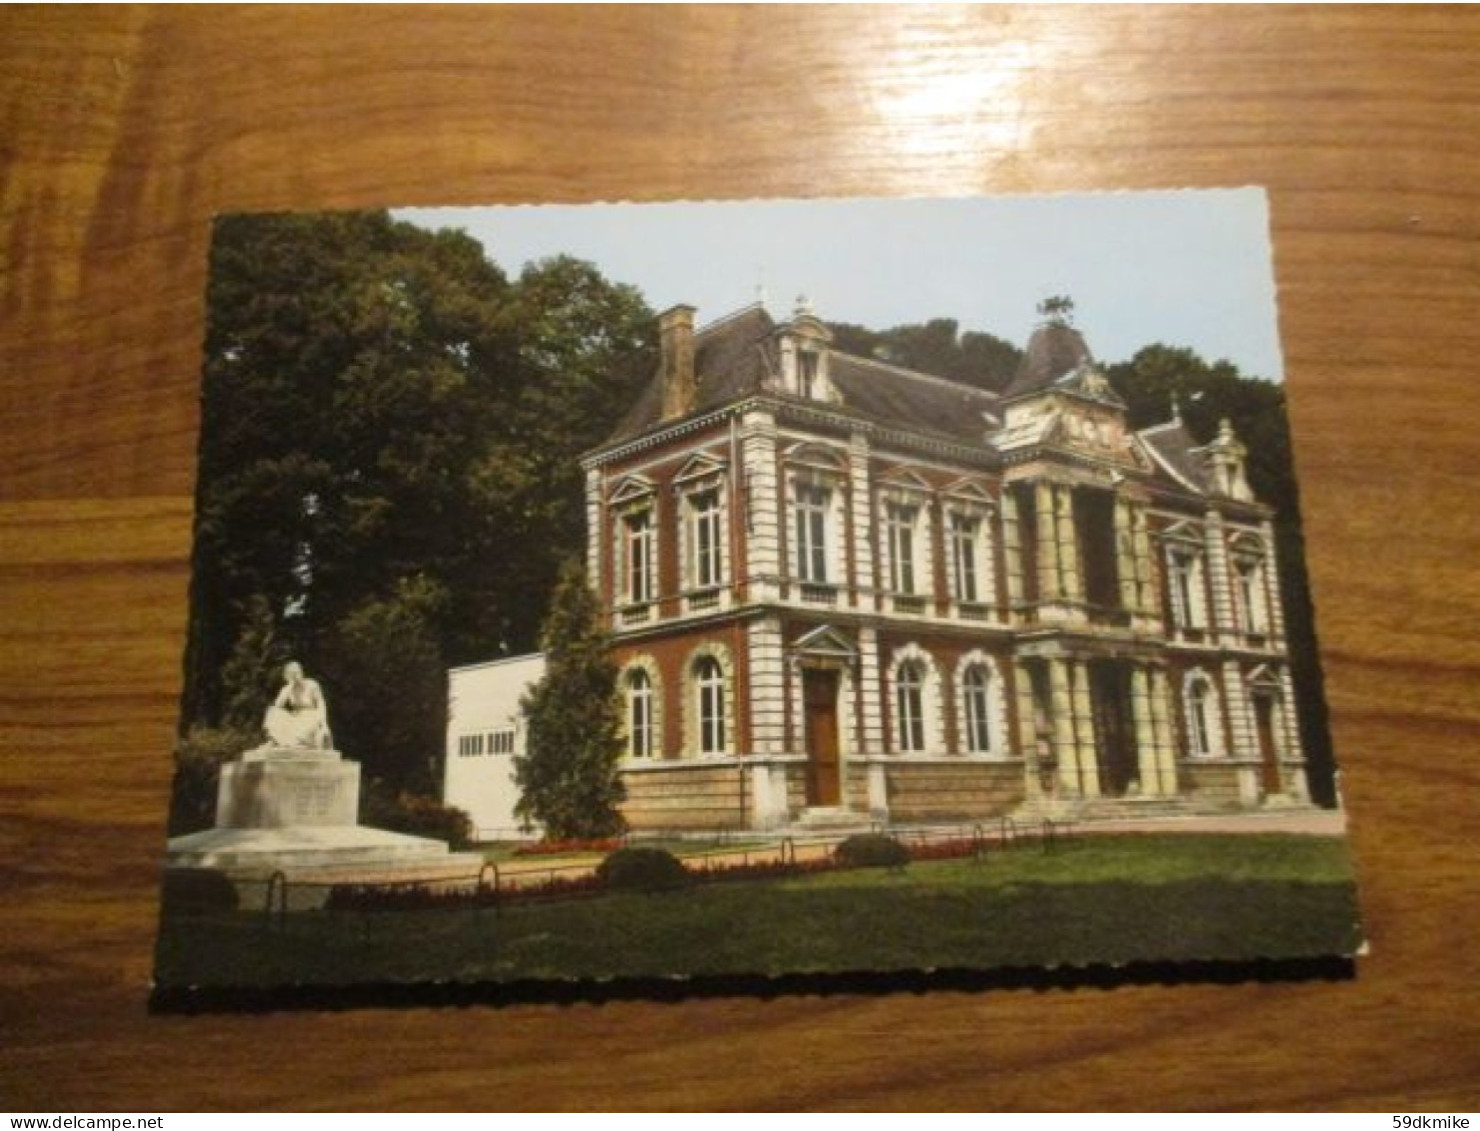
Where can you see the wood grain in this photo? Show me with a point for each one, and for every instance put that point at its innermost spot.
(125, 130)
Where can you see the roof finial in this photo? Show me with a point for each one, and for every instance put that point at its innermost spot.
(1057, 310)
(804, 305)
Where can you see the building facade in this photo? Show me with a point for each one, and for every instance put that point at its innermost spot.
(841, 588)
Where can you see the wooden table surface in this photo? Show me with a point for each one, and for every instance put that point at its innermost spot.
(125, 130)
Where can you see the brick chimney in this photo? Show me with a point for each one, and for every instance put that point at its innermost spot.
(676, 361)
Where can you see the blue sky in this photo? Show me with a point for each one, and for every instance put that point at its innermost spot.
(1188, 268)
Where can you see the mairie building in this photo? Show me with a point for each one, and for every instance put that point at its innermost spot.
(840, 590)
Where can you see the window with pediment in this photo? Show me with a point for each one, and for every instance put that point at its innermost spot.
(1186, 585)
(1249, 585)
(635, 547)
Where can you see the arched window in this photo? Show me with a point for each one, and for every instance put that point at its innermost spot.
(976, 688)
(709, 682)
(1202, 717)
(910, 708)
(639, 714)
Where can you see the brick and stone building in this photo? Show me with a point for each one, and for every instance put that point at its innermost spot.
(842, 589)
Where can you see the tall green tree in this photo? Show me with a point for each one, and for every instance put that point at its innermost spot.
(568, 778)
(382, 408)
(938, 347)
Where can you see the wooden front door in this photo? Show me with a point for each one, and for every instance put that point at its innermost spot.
(820, 699)
(1268, 753)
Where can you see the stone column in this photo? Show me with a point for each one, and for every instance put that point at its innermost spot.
(1224, 623)
(1068, 545)
(1161, 730)
(1084, 732)
(1012, 552)
(1049, 588)
(1146, 752)
(1061, 706)
(1125, 555)
(1027, 729)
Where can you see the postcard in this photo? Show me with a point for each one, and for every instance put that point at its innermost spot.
(707, 590)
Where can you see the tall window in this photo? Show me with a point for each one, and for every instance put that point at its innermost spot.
(910, 708)
(710, 685)
(1200, 716)
(639, 714)
(1250, 578)
(704, 540)
(964, 530)
(638, 535)
(976, 689)
(812, 504)
(1186, 589)
(899, 521)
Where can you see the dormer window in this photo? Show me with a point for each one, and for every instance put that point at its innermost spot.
(807, 373)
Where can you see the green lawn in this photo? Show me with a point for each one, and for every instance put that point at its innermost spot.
(1108, 899)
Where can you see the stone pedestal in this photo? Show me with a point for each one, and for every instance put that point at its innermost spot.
(297, 812)
(281, 788)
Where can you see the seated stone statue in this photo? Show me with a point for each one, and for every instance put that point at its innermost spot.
(299, 717)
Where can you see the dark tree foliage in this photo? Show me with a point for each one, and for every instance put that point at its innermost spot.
(1205, 393)
(568, 779)
(382, 408)
(936, 347)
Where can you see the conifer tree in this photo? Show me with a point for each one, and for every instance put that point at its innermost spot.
(568, 778)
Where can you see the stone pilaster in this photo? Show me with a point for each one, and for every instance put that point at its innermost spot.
(1062, 709)
(1289, 716)
(1012, 551)
(861, 553)
(1027, 729)
(1084, 732)
(1068, 545)
(593, 530)
(764, 508)
(870, 692)
(1272, 599)
(1224, 621)
(767, 687)
(1145, 732)
(1241, 730)
(1148, 601)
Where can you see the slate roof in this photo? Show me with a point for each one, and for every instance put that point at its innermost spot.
(1054, 351)
(1175, 453)
(737, 356)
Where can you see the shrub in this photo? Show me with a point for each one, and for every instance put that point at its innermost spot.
(415, 815)
(642, 869)
(196, 891)
(199, 755)
(871, 850)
